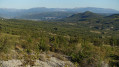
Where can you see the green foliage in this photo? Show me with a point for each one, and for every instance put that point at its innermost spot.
(87, 56)
(43, 44)
(87, 43)
(5, 45)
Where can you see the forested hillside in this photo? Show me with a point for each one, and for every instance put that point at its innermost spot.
(88, 43)
(94, 21)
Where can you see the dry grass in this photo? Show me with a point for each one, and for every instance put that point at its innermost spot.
(98, 32)
(42, 57)
(58, 56)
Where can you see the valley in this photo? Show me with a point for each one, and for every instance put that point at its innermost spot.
(84, 40)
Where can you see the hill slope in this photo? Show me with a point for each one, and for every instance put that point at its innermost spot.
(84, 43)
(82, 17)
(113, 16)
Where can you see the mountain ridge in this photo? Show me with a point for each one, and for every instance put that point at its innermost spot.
(85, 16)
(11, 13)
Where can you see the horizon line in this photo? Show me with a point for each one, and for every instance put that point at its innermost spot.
(58, 8)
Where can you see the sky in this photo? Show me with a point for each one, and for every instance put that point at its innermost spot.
(26, 4)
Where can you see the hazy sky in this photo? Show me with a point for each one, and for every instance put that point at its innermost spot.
(25, 4)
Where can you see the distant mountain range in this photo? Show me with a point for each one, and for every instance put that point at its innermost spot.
(47, 13)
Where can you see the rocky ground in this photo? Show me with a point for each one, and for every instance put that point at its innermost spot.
(45, 60)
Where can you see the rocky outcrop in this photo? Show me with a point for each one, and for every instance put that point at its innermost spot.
(10, 63)
(53, 62)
